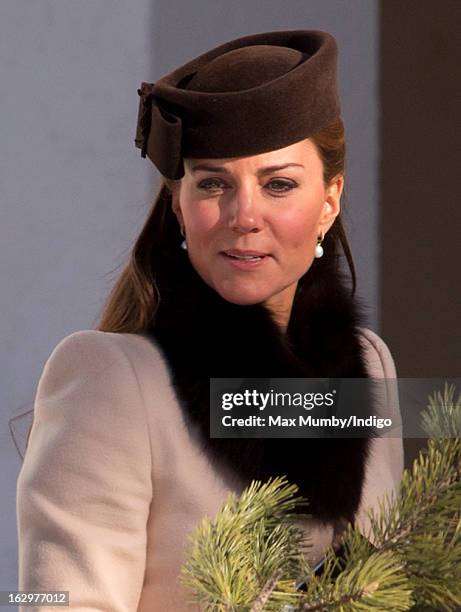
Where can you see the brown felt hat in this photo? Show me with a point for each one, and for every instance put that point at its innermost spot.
(251, 95)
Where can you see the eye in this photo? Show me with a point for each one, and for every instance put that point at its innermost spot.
(210, 184)
(283, 185)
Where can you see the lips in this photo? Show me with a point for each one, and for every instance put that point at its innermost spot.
(239, 253)
(244, 262)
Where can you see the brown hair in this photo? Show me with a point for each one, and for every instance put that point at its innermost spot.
(131, 305)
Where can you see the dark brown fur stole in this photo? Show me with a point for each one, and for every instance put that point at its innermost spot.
(201, 335)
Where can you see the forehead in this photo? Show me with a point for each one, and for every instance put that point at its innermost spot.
(299, 155)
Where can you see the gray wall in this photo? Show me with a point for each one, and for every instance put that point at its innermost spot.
(74, 191)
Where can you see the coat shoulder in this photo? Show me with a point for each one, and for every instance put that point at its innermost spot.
(377, 354)
(89, 368)
(84, 351)
(91, 352)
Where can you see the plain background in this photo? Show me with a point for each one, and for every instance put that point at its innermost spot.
(75, 192)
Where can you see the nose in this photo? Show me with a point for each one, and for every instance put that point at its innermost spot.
(245, 212)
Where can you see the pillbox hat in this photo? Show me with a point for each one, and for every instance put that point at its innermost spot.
(251, 95)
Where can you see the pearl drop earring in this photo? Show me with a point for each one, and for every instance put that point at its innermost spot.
(183, 243)
(319, 248)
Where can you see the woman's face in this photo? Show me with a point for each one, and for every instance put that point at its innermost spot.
(274, 203)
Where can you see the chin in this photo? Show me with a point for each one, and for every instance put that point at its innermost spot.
(242, 291)
(239, 295)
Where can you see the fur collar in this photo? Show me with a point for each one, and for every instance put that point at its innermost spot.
(201, 335)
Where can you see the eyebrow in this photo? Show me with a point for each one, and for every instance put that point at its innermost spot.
(260, 172)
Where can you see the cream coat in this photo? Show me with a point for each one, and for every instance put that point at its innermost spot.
(112, 481)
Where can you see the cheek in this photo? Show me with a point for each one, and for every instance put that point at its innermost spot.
(200, 219)
(298, 229)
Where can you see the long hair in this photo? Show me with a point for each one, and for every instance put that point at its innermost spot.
(132, 303)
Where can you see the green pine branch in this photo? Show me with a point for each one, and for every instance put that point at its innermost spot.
(232, 559)
(442, 418)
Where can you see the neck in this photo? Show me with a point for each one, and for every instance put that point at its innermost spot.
(280, 307)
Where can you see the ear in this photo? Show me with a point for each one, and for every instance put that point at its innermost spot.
(332, 205)
(176, 206)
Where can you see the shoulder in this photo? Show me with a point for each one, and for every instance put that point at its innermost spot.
(380, 365)
(118, 365)
(90, 384)
(377, 354)
(92, 352)
(91, 367)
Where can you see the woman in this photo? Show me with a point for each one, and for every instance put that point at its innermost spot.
(235, 273)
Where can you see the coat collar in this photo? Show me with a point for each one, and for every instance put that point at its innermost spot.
(201, 335)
